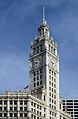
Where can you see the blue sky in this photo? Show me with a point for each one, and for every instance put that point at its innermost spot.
(19, 20)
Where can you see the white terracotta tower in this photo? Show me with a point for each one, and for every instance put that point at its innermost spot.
(44, 69)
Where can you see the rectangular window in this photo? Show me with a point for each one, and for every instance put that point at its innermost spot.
(5, 108)
(38, 106)
(5, 114)
(40, 82)
(50, 71)
(34, 84)
(49, 82)
(44, 97)
(44, 109)
(5, 102)
(25, 114)
(54, 91)
(34, 110)
(75, 103)
(0, 114)
(15, 114)
(42, 32)
(10, 114)
(40, 48)
(49, 94)
(37, 77)
(40, 70)
(37, 112)
(21, 108)
(32, 103)
(21, 114)
(10, 108)
(54, 85)
(25, 102)
(50, 112)
(21, 102)
(15, 102)
(0, 102)
(54, 51)
(44, 115)
(34, 79)
(25, 108)
(37, 72)
(40, 76)
(10, 102)
(50, 105)
(50, 99)
(34, 51)
(31, 115)
(50, 117)
(37, 49)
(49, 88)
(54, 80)
(54, 96)
(34, 73)
(49, 76)
(54, 102)
(72, 100)
(54, 107)
(60, 117)
(54, 74)
(0, 108)
(15, 108)
(40, 113)
(49, 47)
(34, 117)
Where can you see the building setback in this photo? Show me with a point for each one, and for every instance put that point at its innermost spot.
(42, 101)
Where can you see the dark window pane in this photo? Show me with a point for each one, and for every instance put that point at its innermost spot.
(15, 114)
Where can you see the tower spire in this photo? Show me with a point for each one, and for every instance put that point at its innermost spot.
(43, 14)
(43, 29)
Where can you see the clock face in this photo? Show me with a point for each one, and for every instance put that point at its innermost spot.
(52, 62)
(37, 62)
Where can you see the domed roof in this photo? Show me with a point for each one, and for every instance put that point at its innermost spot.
(44, 23)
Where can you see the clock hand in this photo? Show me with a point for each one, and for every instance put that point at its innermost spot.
(52, 63)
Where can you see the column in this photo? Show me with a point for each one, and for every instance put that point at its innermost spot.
(8, 108)
(2, 107)
(29, 109)
(18, 106)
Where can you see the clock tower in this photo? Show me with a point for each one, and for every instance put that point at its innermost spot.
(44, 69)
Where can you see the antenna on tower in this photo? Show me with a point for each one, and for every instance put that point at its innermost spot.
(43, 13)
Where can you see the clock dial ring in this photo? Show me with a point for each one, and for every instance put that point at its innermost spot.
(52, 62)
(37, 62)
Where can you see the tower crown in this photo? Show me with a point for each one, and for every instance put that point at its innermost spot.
(43, 29)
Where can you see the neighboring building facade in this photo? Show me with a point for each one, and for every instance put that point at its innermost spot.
(42, 101)
(71, 106)
(21, 105)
